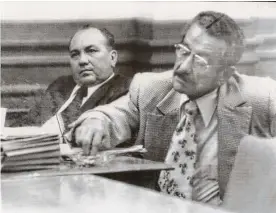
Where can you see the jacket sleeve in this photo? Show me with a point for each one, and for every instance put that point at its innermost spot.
(121, 117)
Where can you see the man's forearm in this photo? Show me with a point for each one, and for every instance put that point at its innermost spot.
(120, 118)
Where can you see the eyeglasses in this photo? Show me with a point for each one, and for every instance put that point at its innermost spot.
(184, 52)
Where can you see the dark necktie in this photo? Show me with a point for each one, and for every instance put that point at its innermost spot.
(72, 112)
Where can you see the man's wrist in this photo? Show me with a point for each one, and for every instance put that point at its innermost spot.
(94, 116)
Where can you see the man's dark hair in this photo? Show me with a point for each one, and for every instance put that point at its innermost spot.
(110, 41)
(222, 27)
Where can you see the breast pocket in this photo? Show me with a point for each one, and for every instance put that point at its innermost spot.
(158, 134)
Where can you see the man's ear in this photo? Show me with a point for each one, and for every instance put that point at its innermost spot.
(113, 57)
(225, 73)
(229, 71)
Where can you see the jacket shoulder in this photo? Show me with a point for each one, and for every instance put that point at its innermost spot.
(120, 80)
(148, 89)
(154, 82)
(62, 83)
(258, 87)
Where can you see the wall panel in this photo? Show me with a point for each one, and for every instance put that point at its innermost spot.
(34, 54)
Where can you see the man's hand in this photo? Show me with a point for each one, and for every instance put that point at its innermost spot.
(91, 135)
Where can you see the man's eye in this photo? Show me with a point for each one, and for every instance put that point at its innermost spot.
(182, 50)
(92, 50)
(200, 60)
(74, 55)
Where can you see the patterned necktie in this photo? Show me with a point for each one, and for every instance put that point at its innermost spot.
(72, 112)
(182, 155)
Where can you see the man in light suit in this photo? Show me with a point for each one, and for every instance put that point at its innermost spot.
(227, 106)
(92, 82)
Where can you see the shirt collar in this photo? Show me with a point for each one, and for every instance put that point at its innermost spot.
(93, 88)
(207, 105)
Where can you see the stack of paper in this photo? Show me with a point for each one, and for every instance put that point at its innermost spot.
(30, 151)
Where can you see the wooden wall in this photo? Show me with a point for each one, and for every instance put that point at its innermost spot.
(33, 54)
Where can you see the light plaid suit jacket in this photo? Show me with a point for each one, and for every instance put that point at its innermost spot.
(150, 111)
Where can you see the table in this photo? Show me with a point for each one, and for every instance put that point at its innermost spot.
(88, 193)
(132, 170)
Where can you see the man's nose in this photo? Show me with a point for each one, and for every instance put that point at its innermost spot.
(185, 64)
(83, 60)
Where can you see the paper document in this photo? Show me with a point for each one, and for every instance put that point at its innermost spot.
(27, 131)
(29, 148)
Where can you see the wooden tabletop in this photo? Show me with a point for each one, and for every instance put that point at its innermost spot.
(119, 164)
(88, 193)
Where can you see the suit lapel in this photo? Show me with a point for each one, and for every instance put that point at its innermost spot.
(161, 125)
(95, 98)
(105, 94)
(234, 116)
(170, 103)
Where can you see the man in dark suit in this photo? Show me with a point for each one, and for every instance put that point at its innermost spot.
(92, 83)
(192, 117)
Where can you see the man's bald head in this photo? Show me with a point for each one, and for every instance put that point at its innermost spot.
(110, 41)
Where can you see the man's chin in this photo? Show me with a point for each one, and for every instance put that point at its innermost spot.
(178, 87)
(89, 80)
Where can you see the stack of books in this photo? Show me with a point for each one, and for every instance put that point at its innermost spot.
(30, 152)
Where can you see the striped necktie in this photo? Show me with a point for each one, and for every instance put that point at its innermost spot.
(205, 187)
(72, 111)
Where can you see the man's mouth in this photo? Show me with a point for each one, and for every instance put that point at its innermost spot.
(85, 72)
(180, 78)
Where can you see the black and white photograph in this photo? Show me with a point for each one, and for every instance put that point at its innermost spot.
(138, 106)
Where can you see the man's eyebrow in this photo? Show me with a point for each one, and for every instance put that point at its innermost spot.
(185, 44)
(201, 52)
(90, 46)
(73, 50)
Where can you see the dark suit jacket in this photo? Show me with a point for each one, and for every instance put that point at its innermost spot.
(60, 90)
